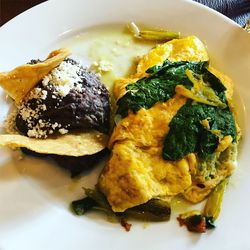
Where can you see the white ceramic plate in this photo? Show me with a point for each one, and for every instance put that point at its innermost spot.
(34, 195)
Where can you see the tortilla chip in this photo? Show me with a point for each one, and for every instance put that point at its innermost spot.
(77, 144)
(18, 82)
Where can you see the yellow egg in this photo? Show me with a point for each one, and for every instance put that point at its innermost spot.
(136, 171)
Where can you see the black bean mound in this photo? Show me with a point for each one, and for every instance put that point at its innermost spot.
(87, 109)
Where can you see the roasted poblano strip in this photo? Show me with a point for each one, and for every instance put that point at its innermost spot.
(153, 210)
(94, 200)
(80, 207)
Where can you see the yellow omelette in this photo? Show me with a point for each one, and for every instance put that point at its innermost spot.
(136, 171)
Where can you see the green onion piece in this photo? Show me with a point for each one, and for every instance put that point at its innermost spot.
(213, 205)
(152, 35)
(159, 35)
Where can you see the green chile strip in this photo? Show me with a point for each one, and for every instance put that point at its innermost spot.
(153, 210)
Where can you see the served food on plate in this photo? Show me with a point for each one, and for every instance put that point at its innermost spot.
(176, 135)
(61, 110)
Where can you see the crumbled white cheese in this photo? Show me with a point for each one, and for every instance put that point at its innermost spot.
(122, 43)
(102, 66)
(63, 131)
(55, 125)
(37, 132)
(44, 94)
(64, 78)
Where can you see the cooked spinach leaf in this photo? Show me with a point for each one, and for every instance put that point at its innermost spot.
(187, 135)
(159, 86)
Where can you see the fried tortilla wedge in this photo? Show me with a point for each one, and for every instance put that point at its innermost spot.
(18, 82)
(75, 144)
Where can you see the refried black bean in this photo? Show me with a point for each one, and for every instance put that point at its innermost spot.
(87, 109)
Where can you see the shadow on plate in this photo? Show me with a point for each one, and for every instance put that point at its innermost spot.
(27, 180)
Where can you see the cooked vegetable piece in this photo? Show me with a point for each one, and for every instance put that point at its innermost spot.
(94, 200)
(195, 222)
(159, 35)
(200, 92)
(209, 223)
(214, 201)
(187, 135)
(153, 210)
(212, 90)
(100, 199)
(159, 86)
(81, 206)
(152, 34)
